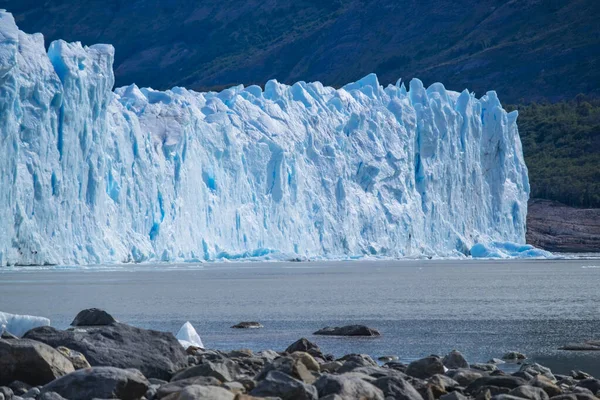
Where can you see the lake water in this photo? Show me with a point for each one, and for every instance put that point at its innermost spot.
(482, 308)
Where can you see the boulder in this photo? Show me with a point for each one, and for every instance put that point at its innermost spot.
(454, 396)
(6, 392)
(197, 392)
(486, 367)
(279, 384)
(306, 346)
(50, 396)
(454, 360)
(224, 370)
(348, 330)
(177, 386)
(506, 382)
(347, 386)
(529, 392)
(444, 382)
(77, 359)
(292, 366)
(331, 366)
(248, 325)
(100, 382)
(360, 360)
(465, 377)
(93, 317)
(592, 384)
(31, 362)
(425, 367)
(156, 354)
(397, 388)
(536, 369)
(19, 388)
(547, 385)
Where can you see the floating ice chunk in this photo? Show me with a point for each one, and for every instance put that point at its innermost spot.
(19, 324)
(508, 250)
(188, 336)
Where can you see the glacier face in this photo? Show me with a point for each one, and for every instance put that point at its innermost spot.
(88, 175)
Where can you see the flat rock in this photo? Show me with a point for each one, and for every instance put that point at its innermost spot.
(156, 354)
(248, 325)
(100, 382)
(349, 330)
(425, 367)
(279, 384)
(529, 392)
(31, 362)
(93, 317)
(347, 386)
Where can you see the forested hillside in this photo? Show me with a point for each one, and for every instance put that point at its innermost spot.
(561, 143)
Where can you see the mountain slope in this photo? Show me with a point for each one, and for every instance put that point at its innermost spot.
(526, 49)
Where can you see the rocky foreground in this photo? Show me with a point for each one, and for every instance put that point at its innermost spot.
(100, 358)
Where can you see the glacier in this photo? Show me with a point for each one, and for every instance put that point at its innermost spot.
(89, 175)
(19, 324)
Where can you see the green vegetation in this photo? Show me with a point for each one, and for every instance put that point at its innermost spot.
(561, 143)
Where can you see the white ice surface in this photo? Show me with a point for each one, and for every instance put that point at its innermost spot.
(188, 336)
(93, 176)
(19, 324)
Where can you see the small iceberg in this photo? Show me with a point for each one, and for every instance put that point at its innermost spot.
(188, 336)
(19, 324)
(508, 250)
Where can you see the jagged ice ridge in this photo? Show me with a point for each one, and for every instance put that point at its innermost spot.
(88, 175)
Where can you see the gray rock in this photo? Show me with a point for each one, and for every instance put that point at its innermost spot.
(6, 392)
(2, 397)
(454, 396)
(487, 367)
(77, 359)
(547, 385)
(496, 361)
(93, 317)
(306, 346)
(51, 396)
(387, 358)
(234, 387)
(513, 356)
(292, 366)
(248, 325)
(19, 388)
(268, 355)
(196, 392)
(505, 396)
(32, 393)
(100, 382)
(31, 362)
(522, 374)
(397, 388)
(331, 366)
(224, 370)
(7, 335)
(529, 392)
(564, 397)
(454, 360)
(465, 377)
(507, 382)
(363, 360)
(284, 386)
(398, 366)
(178, 386)
(156, 354)
(347, 386)
(443, 381)
(536, 369)
(348, 330)
(592, 384)
(425, 367)
(579, 375)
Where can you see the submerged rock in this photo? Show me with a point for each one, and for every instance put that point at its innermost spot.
(248, 325)
(349, 330)
(31, 362)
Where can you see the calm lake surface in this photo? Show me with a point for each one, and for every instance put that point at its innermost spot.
(482, 308)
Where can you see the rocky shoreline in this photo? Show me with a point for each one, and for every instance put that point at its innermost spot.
(101, 358)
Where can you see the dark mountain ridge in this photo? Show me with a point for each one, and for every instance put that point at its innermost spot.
(524, 49)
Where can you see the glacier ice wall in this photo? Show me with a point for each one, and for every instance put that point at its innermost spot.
(88, 175)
